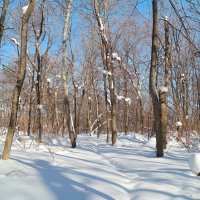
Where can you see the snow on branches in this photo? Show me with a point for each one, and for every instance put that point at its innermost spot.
(163, 89)
(39, 107)
(107, 73)
(128, 100)
(48, 80)
(25, 8)
(178, 124)
(115, 57)
(15, 41)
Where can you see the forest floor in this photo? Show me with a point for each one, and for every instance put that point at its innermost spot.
(96, 170)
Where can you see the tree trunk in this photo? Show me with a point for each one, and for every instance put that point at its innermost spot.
(39, 102)
(141, 115)
(38, 85)
(163, 94)
(126, 106)
(113, 106)
(89, 113)
(97, 112)
(107, 50)
(56, 114)
(65, 75)
(20, 81)
(30, 104)
(107, 109)
(163, 116)
(152, 81)
(2, 19)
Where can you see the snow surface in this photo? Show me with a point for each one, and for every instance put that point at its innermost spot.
(95, 170)
(194, 163)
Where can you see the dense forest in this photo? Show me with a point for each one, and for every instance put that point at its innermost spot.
(100, 67)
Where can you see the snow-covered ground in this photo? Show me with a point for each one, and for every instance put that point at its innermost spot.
(95, 170)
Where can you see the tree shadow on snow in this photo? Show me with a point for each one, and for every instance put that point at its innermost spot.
(62, 187)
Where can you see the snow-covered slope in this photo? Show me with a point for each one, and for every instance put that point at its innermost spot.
(95, 170)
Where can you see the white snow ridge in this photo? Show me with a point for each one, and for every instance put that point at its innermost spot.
(194, 163)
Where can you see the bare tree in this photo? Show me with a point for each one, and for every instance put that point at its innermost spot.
(164, 90)
(107, 55)
(20, 80)
(65, 73)
(153, 82)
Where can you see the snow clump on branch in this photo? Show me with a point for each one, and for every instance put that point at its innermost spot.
(178, 124)
(108, 73)
(25, 8)
(15, 41)
(48, 80)
(128, 100)
(115, 56)
(39, 107)
(163, 89)
(120, 97)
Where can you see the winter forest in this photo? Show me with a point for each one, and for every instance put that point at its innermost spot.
(99, 99)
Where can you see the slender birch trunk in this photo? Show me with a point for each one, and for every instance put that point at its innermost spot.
(65, 75)
(107, 50)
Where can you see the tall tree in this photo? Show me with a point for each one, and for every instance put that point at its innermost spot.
(107, 55)
(153, 81)
(65, 75)
(20, 79)
(164, 90)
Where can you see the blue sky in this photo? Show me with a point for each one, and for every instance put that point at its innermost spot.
(9, 50)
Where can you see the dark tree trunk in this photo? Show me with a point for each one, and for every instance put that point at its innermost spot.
(30, 104)
(152, 81)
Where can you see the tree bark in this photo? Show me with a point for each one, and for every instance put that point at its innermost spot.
(39, 71)
(89, 113)
(163, 94)
(152, 81)
(107, 50)
(126, 106)
(2, 19)
(65, 75)
(20, 81)
(30, 103)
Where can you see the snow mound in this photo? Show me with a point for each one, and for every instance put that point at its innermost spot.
(151, 143)
(194, 163)
(56, 141)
